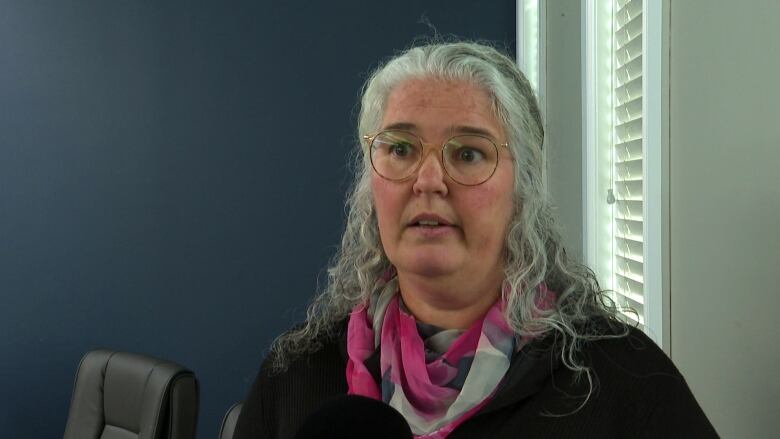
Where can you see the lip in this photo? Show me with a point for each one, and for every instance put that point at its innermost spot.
(430, 232)
(444, 228)
(429, 217)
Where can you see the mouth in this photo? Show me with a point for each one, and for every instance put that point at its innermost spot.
(429, 221)
(428, 224)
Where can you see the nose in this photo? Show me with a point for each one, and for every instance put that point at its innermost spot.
(430, 176)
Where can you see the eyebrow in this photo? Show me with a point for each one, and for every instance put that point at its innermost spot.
(458, 129)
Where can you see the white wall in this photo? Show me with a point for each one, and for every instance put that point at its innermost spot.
(725, 209)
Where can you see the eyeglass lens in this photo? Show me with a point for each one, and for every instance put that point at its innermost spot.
(467, 159)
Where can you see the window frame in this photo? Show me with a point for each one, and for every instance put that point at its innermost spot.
(655, 159)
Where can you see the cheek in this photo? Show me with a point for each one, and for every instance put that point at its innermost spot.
(490, 209)
(491, 213)
(385, 204)
(379, 193)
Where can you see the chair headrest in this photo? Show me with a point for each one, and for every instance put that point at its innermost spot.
(121, 391)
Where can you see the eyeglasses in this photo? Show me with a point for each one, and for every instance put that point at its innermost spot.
(468, 159)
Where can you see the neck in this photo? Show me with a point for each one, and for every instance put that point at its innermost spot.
(445, 303)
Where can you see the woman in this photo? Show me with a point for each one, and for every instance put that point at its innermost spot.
(451, 298)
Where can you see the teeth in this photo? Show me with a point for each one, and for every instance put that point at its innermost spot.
(429, 223)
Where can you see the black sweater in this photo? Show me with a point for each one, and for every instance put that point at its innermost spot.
(638, 392)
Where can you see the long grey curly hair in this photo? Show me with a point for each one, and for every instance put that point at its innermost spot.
(533, 251)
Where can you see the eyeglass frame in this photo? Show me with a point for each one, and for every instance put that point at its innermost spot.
(369, 139)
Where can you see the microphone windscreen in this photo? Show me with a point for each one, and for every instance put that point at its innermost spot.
(352, 416)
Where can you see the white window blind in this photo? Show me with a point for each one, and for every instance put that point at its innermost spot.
(626, 195)
(622, 95)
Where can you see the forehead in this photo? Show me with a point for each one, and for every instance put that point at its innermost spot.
(434, 92)
(435, 104)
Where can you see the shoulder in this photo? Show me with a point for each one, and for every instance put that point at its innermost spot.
(625, 359)
(635, 373)
(628, 349)
(617, 384)
(611, 349)
(328, 356)
(281, 397)
(632, 376)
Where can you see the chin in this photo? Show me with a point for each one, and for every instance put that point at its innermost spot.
(423, 263)
(430, 270)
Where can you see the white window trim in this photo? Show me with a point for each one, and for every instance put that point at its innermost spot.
(653, 167)
(523, 58)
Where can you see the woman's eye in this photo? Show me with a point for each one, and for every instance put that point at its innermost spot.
(400, 149)
(469, 155)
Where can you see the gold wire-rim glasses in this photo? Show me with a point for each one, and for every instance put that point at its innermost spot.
(369, 139)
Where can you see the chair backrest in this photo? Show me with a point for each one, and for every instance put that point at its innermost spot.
(123, 395)
(229, 421)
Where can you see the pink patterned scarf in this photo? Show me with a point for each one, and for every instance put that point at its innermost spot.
(434, 394)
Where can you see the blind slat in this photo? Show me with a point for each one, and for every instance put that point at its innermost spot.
(628, 53)
(633, 319)
(628, 32)
(628, 91)
(630, 111)
(629, 131)
(630, 288)
(628, 249)
(629, 71)
(630, 170)
(630, 268)
(628, 150)
(629, 209)
(627, 12)
(629, 190)
(629, 255)
(627, 227)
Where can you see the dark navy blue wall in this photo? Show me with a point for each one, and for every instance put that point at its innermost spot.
(172, 178)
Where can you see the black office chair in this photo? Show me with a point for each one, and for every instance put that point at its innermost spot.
(229, 421)
(119, 395)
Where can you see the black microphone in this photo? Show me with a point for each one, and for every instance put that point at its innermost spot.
(352, 416)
